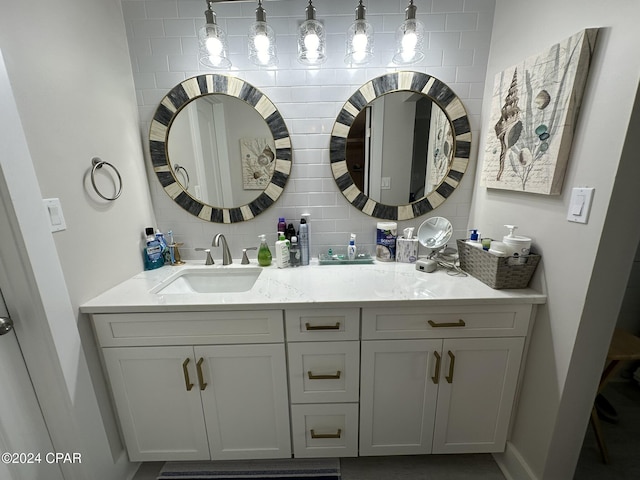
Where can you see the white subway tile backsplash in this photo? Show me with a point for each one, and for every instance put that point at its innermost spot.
(140, 46)
(147, 28)
(167, 80)
(161, 8)
(180, 27)
(447, 6)
(444, 40)
(461, 22)
(487, 6)
(152, 63)
(163, 45)
(166, 46)
(133, 10)
(181, 63)
(458, 58)
(477, 40)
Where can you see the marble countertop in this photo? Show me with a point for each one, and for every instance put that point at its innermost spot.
(381, 283)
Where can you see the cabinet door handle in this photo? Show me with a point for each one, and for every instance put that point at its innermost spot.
(326, 435)
(201, 381)
(459, 323)
(436, 376)
(335, 376)
(308, 326)
(449, 377)
(185, 371)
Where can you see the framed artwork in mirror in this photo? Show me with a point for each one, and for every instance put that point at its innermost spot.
(400, 145)
(202, 127)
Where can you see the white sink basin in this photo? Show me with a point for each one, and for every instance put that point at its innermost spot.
(210, 280)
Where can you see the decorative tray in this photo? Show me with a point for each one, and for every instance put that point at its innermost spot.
(340, 258)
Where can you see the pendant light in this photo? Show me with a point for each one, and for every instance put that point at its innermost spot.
(262, 40)
(312, 48)
(359, 39)
(409, 39)
(213, 50)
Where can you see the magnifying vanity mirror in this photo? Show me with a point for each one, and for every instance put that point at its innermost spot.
(400, 145)
(434, 233)
(220, 148)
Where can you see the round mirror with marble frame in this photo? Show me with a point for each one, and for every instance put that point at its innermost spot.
(442, 96)
(212, 84)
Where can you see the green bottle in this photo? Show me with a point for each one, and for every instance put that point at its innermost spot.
(264, 254)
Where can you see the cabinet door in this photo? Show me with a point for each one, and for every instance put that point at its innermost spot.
(477, 388)
(245, 400)
(398, 396)
(160, 416)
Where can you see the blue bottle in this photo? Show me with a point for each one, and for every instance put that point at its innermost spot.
(153, 257)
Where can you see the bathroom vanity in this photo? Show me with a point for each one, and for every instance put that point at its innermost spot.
(316, 361)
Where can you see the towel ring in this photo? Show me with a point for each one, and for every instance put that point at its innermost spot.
(180, 169)
(98, 163)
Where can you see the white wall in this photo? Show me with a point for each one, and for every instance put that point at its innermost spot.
(586, 266)
(70, 74)
(163, 44)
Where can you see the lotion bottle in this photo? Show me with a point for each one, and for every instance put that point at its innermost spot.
(351, 249)
(282, 251)
(264, 254)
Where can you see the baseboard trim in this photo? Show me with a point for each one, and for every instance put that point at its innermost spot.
(513, 465)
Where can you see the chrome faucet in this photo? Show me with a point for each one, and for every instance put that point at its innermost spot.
(226, 254)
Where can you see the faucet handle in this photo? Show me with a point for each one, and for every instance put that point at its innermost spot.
(245, 259)
(209, 260)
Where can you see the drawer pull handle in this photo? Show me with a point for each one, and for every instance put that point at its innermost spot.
(335, 376)
(185, 371)
(338, 434)
(459, 323)
(308, 326)
(436, 376)
(201, 381)
(449, 377)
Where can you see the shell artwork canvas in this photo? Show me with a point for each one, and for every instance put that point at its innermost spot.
(258, 163)
(534, 111)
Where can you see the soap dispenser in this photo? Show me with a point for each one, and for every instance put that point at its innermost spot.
(516, 245)
(264, 254)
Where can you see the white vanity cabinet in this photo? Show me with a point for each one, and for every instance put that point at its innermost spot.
(439, 379)
(323, 347)
(198, 385)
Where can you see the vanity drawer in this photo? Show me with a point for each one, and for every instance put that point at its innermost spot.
(325, 430)
(310, 325)
(189, 328)
(449, 322)
(324, 372)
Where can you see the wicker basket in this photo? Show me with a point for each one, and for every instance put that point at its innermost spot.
(497, 272)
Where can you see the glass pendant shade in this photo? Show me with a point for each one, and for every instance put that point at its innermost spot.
(312, 46)
(359, 39)
(409, 39)
(262, 40)
(213, 48)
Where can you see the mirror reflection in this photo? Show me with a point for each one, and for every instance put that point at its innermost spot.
(399, 148)
(400, 145)
(221, 150)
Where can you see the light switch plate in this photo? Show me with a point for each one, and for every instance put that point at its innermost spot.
(580, 204)
(53, 208)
